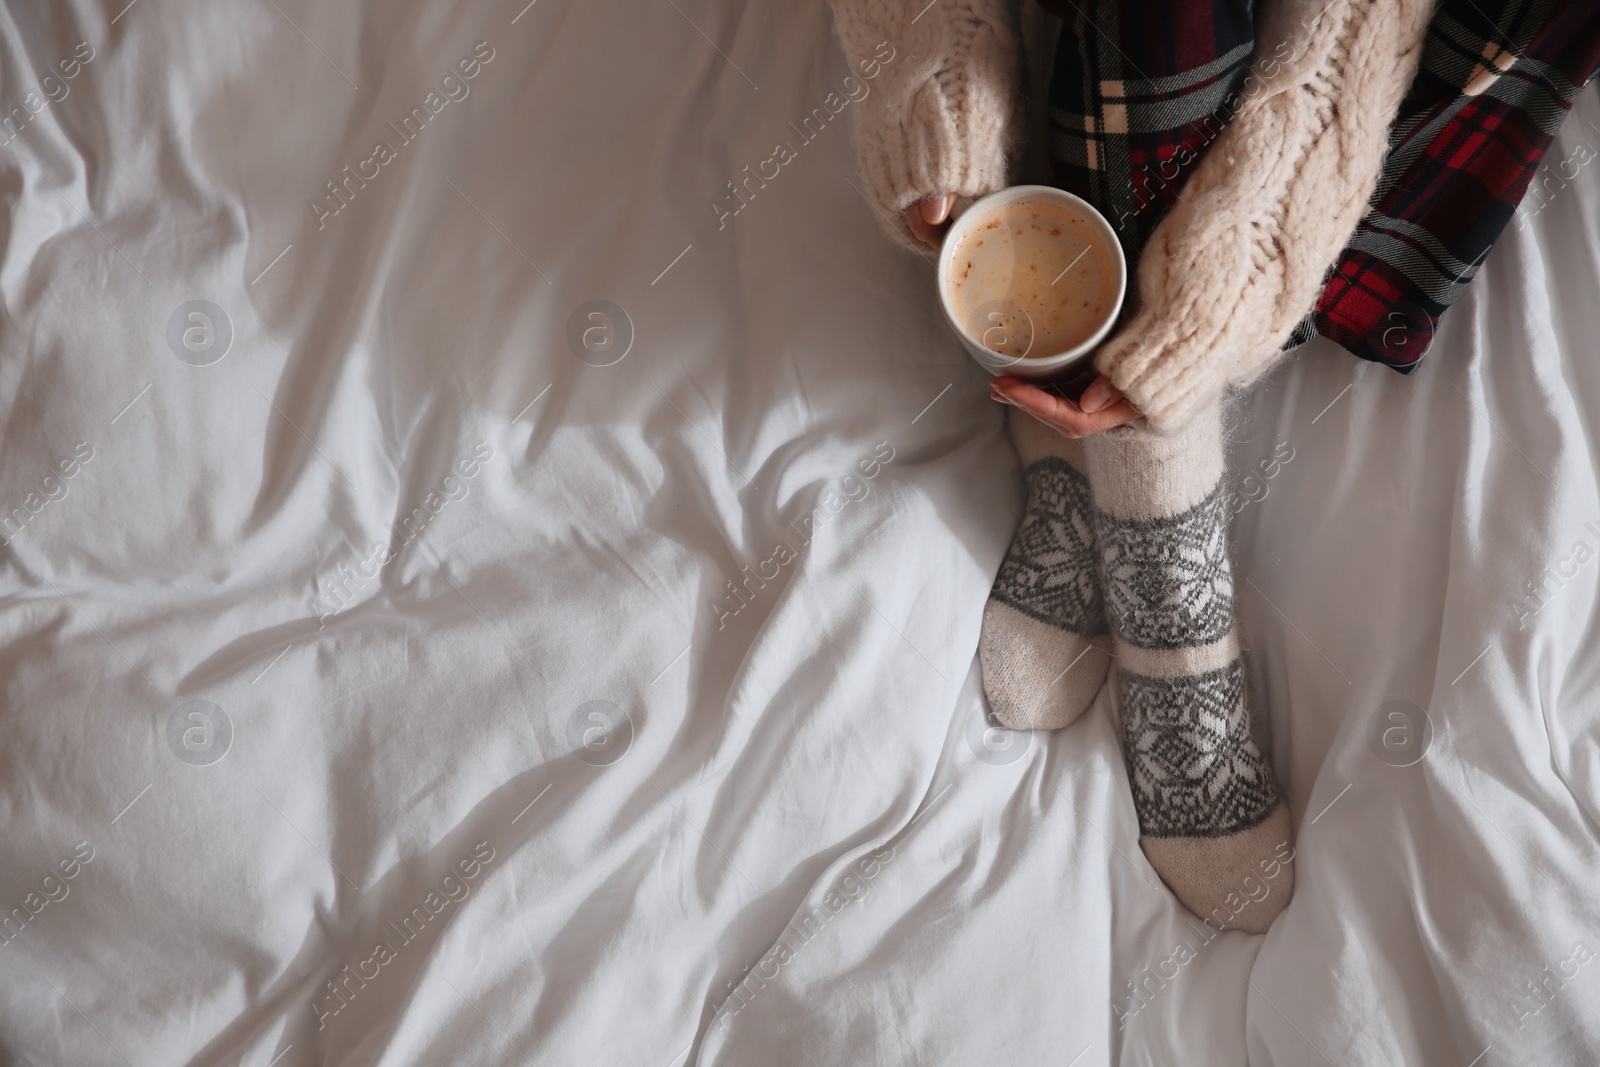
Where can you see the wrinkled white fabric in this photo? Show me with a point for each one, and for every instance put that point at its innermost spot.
(422, 557)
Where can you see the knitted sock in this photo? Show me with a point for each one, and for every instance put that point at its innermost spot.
(1211, 820)
(1045, 646)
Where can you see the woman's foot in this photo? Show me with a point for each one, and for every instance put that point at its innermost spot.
(1211, 819)
(1045, 645)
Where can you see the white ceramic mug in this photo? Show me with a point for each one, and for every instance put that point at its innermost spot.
(1054, 364)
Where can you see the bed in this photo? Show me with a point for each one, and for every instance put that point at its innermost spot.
(494, 552)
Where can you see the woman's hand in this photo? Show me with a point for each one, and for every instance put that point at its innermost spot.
(1101, 406)
(929, 218)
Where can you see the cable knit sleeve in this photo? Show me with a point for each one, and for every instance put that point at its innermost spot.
(944, 114)
(1242, 257)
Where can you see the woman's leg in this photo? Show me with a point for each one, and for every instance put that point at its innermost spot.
(1137, 94)
(1045, 646)
(1211, 819)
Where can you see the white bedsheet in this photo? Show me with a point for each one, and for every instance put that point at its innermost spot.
(464, 598)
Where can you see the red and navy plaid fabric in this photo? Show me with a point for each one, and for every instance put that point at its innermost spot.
(1138, 92)
(1496, 80)
(1141, 89)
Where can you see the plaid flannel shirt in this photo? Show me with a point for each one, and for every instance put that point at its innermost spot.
(1140, 90)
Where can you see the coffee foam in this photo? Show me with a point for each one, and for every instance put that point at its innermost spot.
(1032, 279)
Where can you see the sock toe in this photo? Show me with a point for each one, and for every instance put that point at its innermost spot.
(1237, 882)
(1037, 676)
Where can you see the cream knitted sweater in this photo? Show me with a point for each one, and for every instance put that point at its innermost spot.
(1241, 258)
(946, 115)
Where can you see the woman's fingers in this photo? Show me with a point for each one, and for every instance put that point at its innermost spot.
(1100, 394)
(935, 209)
(1057, 411)
(928, 218)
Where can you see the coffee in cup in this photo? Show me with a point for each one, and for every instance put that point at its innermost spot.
(1032, 279)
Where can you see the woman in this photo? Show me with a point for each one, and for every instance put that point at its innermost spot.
(1345, 182)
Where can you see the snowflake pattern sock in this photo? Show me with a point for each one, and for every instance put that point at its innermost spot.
(1211, 819)
(1045, 646)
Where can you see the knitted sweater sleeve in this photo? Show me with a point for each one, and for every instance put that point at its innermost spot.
(944, 109)
(1241, 258)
